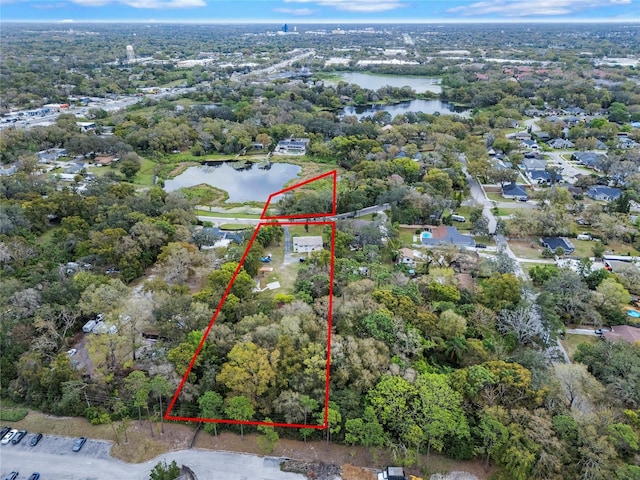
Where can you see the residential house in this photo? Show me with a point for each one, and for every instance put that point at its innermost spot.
(531, 164)
(86, 126)
(603, 193)
(600, 145)
(75, 168)
(574, 111)
(307, 244)
(292, 146)
(104, 160)
(542, 177)
(589, 159)
(530, 144)
(514, 191)
(446, 235)
(626, 143)
(542, 136)
(214, 237)
(553, 243)
(51, 155)
(572, 120)
(8, 170)
(408, 257)
(560, 143)
(575, 191)
(522, 136)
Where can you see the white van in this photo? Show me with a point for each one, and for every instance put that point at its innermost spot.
(458, 218)
(88, 327)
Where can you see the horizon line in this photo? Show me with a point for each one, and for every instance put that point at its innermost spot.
(627, 21)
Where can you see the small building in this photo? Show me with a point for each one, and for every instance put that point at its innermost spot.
(86, 126)
(553, 243)
(307, 244)
(407, 256)
(51, 155)
(515, 192)
(603, 193)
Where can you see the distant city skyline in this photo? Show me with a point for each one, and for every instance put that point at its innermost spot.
(301, 12)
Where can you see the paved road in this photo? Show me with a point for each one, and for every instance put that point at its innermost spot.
(53, 459)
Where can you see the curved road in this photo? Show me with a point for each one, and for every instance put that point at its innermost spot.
(94, 463)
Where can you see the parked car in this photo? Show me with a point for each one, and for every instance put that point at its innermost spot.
(480, 245)
(599, 332)
(17, 438)
(8, 436)
(35, 439)
(12, 476)
(77, 445)
(34, 476)
(71, 352)
(4, 431)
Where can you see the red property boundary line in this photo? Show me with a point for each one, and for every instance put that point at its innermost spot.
(332, 173)
(324, 425)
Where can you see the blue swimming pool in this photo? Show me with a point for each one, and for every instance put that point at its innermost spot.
(425, 235)
(633, 313)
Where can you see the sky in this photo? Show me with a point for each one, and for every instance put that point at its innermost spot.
(295, 12)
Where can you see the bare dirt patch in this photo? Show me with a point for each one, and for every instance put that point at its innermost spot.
(181, 167)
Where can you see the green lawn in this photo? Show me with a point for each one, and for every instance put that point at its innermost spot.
(406, 235)
(571, 342)
(496, 197)
(235, 226)
(207, 213)
(146, 173)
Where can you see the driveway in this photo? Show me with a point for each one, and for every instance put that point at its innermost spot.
(53, 458)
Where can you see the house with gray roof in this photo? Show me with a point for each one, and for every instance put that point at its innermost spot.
(553, 243)
(514, 191)
(446, 235)
(560, 143)
(531, 164)
(603, 193)
(589, 159)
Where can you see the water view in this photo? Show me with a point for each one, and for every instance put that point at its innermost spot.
(424, 106)
(250, 185)
(374, 82)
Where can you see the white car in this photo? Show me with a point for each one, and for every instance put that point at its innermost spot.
(7, 438)
(71, 352)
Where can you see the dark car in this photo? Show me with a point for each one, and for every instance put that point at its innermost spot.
(480, 245)
(599, 332)
(77, 445)
(34, 476)
(12, 476)
(35, 439)
(17, 438)
(4, 431)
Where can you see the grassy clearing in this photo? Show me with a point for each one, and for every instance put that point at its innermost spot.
(207, 213)
(204, 194)
(235, 226)
(406, 235)
(571, 342)
(146, 174)
(530, 250)
(12, 414)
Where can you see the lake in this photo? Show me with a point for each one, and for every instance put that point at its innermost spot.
(374, 82)
(251, 185)
(424, 106)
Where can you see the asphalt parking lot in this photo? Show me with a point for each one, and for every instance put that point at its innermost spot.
(54, 460)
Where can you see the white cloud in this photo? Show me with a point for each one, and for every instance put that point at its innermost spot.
(527, 8)
(145, 3)
(361, 6)
(295, 11)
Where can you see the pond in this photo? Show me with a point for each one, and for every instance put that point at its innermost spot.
(250, 185)
(424, 106)
(374, 82)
